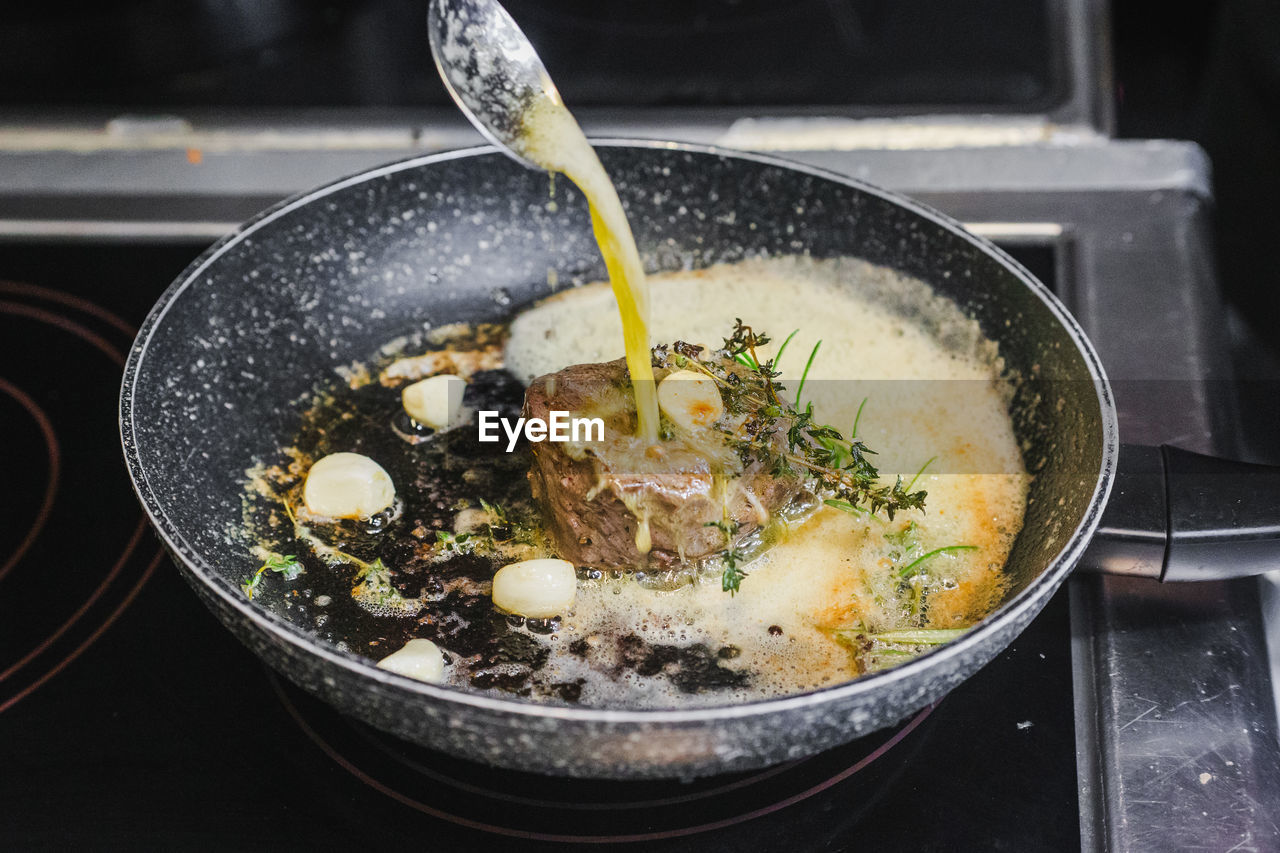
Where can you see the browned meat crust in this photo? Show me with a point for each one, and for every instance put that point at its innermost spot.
(603, 499)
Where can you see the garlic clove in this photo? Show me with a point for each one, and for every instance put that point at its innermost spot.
(690, 400)
(435, 401)
(347, 485)
(536, 589)
(420, 659)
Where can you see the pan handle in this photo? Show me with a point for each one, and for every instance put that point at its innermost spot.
(1182, 516)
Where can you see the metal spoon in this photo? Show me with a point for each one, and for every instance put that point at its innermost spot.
(490, 69)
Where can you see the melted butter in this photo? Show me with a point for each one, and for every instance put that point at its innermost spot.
(552, 139)
(930, 380)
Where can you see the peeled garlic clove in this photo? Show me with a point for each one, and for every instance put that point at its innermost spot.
(420, 659)
(435, 401)
(347, 485)
(535, 589)
(690, 400)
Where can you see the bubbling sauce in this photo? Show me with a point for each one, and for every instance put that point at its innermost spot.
(930, 381)
(813, 605)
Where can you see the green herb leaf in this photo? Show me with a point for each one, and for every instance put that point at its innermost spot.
(727, 526)
(914, 566)
(853, 509)
(731, 579)
(777, 359)
(251, 583)
(919, 636)
(853, 433)
(847, 507)
(284, 564)
(803, 376)
(497, 515)
(904, 538)
(926, 464)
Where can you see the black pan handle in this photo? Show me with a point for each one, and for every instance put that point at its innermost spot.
(1181, 516)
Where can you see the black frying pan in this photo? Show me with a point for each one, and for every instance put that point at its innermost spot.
(324, 279)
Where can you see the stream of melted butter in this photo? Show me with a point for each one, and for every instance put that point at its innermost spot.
(553, 140)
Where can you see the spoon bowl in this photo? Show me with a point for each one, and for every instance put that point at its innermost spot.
(490, 68)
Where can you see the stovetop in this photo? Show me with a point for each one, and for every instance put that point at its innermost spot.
(1129, 716)
(133, 719)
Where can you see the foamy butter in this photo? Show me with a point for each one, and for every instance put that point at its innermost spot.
(931, 386)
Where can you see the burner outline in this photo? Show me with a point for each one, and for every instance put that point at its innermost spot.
(417, 767)
(129, 548)
(91, 639)
(117, 357)
(54, 451)
(630, 838)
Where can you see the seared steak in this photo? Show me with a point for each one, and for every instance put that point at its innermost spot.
(620, 503)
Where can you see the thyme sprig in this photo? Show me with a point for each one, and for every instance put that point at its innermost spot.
(286, 565)
(839, 469)
(837, 465)
(498, 529)
(731, 577)
(876, 650)
(372, 581)
(914, 566)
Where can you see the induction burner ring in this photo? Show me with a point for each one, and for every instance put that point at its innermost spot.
(80, 611)
(385, 747)
(54, 454)
(327, 717)
(71, 387)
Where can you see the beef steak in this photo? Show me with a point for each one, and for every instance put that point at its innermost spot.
(622, 503)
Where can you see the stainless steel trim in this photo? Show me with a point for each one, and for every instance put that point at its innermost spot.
(1033, 232)
(158, 176)
(1080, 34)
(1088, 34)
(96, 229)
(99, 229)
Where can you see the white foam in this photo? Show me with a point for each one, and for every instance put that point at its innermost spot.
(834, 569)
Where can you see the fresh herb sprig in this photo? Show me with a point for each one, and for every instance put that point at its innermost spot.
(919, 636)
(374, 587)
(286, 565)
(914, 566)
(372, 582)
(498, 529)
(731, 579)
(877, 650)
(840, 469)
(732, 576)
(819, 452)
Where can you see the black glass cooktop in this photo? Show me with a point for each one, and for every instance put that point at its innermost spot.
(913, 55)
(129, 719)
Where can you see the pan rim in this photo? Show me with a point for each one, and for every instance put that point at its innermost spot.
(300, 642)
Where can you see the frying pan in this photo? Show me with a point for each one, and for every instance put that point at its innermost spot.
(326, 278)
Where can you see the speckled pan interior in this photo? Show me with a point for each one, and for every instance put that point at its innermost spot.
(324, 279)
